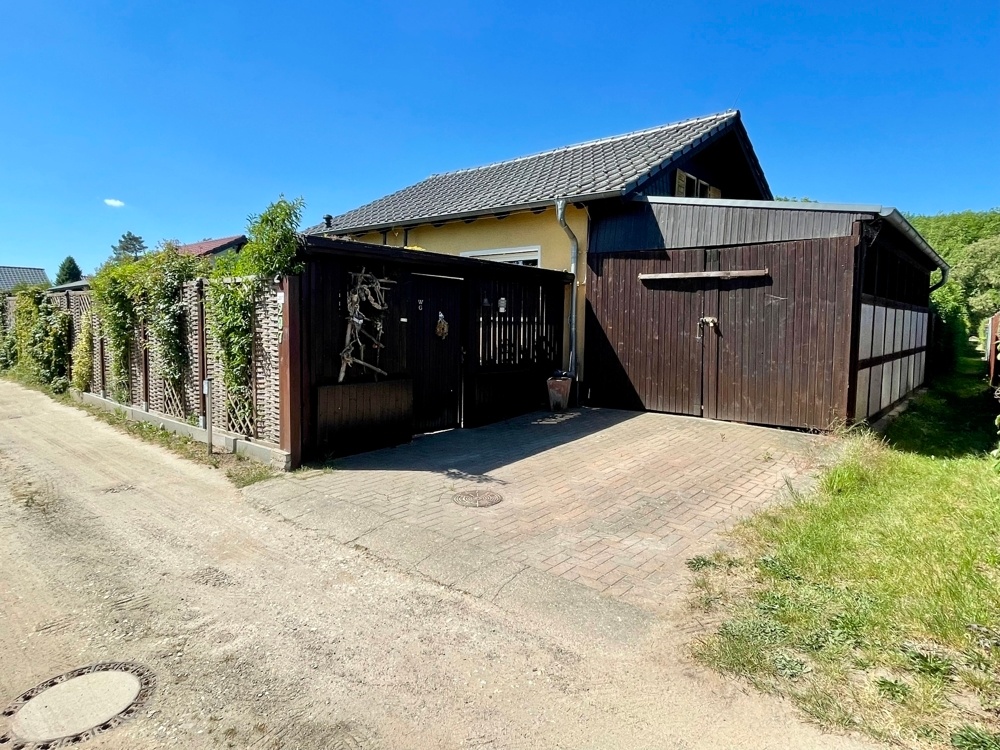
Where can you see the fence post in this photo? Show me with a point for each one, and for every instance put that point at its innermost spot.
(290, 371)
(207, 389)
(202, 348)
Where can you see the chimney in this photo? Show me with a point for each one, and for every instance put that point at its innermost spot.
(328, 221)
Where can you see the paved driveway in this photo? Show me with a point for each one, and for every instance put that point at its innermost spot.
(614, 500)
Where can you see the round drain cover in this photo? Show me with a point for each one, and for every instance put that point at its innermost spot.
(76, 706)
(478, 498)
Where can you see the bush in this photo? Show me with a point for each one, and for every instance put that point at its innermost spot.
(8, 350)
(951, 329)
(237, 282)
(50, 344)
(39, 339)
(83, 355)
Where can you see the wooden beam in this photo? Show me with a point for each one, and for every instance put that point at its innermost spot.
(703, 275)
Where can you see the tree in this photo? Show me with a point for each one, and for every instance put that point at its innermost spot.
(129, 247)
(977, 271)
(68, 271)
(950, 234)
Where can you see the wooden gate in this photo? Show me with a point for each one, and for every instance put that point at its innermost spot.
(436, 309)
(757, 333)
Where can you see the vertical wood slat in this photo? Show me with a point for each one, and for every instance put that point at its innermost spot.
(781, 355)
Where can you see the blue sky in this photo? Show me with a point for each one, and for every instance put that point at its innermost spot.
(196, 114)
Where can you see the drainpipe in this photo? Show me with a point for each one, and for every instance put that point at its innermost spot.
(574, 251)
(945, 272)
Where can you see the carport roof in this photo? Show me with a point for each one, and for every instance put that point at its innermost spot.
(592, 170)
(889, 213)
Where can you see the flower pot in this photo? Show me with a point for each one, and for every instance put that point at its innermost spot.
(559, 390)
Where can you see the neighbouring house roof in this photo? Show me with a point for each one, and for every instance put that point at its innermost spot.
(13, 276)
(213, 247)
(72, 286)
(604, 168)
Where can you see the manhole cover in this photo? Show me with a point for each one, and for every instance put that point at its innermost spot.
(478, 498)
(76, 706)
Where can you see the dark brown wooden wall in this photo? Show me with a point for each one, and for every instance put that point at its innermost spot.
(507, 354)
(510, 353)
(356, 417)
(780, 354)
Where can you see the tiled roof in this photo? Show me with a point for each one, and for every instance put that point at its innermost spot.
(588, 170)
(209, 247)
(12, 276)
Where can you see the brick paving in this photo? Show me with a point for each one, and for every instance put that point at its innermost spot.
(614, 500)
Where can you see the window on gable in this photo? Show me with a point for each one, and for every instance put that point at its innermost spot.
(689, 186)
(518, 256)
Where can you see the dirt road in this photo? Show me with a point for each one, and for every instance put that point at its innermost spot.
(263, 634)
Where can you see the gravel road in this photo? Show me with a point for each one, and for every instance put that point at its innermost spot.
(263, 634)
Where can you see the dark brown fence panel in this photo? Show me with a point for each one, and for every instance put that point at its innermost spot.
(356, 417)
(324, 286)
(514, 343)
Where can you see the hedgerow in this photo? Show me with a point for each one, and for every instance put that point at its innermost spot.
(145, 292)
(39, 339)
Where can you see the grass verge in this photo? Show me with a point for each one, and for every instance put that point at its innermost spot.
(873, 603)
(240, 470)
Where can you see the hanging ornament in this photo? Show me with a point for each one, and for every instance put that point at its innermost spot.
(441, 329)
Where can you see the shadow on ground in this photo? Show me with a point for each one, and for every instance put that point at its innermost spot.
(472, 453)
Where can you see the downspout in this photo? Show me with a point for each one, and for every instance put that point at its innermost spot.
(945, 272)
(574, 252)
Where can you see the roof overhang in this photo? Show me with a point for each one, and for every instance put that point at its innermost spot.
(889, 213)
(482, 213)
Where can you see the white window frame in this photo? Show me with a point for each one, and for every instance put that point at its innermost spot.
(508, 254)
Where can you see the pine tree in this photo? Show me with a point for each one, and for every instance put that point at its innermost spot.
(129, 246)
(68, 271)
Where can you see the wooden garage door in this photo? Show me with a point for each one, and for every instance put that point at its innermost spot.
(643, 347)
(771, 349)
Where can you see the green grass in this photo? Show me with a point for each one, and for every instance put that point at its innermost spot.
(874, 603)
(240, 470)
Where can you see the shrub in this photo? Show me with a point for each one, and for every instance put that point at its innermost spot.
(147, 291)
(83, 354)
(50, 342)
(237, 282)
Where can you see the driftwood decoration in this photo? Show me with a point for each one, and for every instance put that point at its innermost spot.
(367, 290)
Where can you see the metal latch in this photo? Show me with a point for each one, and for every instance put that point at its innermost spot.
(706, 321)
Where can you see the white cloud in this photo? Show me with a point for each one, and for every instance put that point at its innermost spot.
(113, 202)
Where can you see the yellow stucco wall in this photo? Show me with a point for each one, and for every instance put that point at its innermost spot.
(517, 230)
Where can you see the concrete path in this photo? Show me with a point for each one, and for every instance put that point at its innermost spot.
(613, 500)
